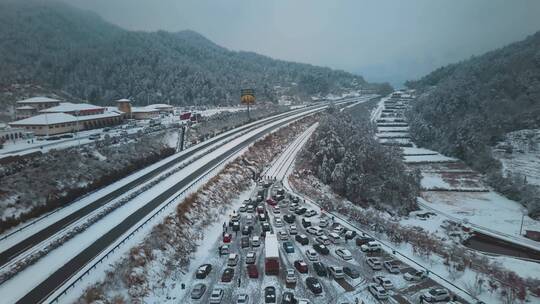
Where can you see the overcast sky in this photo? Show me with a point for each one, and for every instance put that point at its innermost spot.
(389, 40)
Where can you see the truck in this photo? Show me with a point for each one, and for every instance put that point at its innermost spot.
(271, 251)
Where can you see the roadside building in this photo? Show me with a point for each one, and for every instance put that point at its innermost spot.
(31, 106)
(143, 113)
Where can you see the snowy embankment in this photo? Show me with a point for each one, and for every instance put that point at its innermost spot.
(142, 274)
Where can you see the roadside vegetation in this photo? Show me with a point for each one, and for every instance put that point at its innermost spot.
(344, 154)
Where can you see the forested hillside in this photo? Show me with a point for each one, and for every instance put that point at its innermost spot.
(466, 108)
(63, 48)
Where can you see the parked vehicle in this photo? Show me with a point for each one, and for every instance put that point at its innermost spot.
(336, 272)
(344, 254)
(301, 266)
(384, 282)
(224, 249)
(271, 202)
(198, 291)
(378, 292)
(251, 257)
(262, 217)
(271, 255)
(252, 271)
(323, 223)
(293, 230)
(266, 227)
(244, 242)
(94, 136)
(415, 275)
(242, 299)
(310, 213)
(288, 298)
(216, 296)
(317, 231)
(203, 271)
(306, 223)
(270, 294)
(283, 236)
(227, 275)
(436, 295)
(289, 218)
(246, 230)
(314, 285)
(323, 239)
(290, 277)
(250, 209)
(233, 259)
(320, 269)
(321, 249)
(302, 239)
(374, 263)
(227, 237)
(392, 266)
(312, 255)
(334, 238)
(288, 246)
(363, 240)
(349, 235)
(371, 247)
(242, 208)
(300, 211)
(256, 241)
(351, 272)
(278, 222)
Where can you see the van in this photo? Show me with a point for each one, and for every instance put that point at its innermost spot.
(334, 238)
(317, 231)
(233, 259)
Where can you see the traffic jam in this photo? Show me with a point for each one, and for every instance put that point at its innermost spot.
(276, 248)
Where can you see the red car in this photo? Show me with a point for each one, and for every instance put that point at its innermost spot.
(252, 271)
(271, 202)
(227, 237)
(301, 266)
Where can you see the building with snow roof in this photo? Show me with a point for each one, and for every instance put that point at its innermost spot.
(31, 106)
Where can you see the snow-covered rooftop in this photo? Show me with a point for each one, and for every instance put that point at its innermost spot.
(70, 107)
(45, 119)
(143, 109)
(38, 99)
(25, 108)
(160, 106)
(123, 100)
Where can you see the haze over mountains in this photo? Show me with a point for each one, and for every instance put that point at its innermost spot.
(63, 48)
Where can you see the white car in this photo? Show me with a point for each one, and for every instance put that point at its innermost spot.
(276, 210)
(251, 257)
(293, 230)
(392, 266)
(310, 213)
(374, 263)
(336, 272)
(314, 231)
(242, 299)
(384, 282)
(278, 222)
(344, 254)
(436, 295)
(256, 241)
(339, 229)
(323, 223)
(371, 247)
(216, 296)
(378, 292)
(303, 301)
(323, 239)
(415, 275)
(290, 277)
(312, 255)
(249, 219)
(282, 235)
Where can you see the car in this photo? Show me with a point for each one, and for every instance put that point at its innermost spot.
(289, 218)
(276, 210)
(378, 292)
(203, 271)
(293, 230)
(392, 266)
(374, 263)
(344, 254)
(336, 272)
(349, 235)
(436, 295)
(198, 291)
(320, 269)
(283, 203)
(288, 246)
(227, 275)
(271, 202)
(106, 129)
(415, 275)
(251, 257)
(242, 208)
(269, 294)
(334, 238)
(283, 236)
(260, 209)
(323, 223)
(296, 199)
(244, 242)
(300, 211)
(301, 266)
(236, 226)
(262, 217)
(317, 231)
(314, 285)
(265, 227)
(306, 222)
(224, 249)
(94, 136)
(252, 271)
(323, 239)
(256, 241)
(233, 259)
(66, 136)
(303, 301)
(339, 229)
(351, 272)
(312, 255)
(250, 209)
(310, 213)
(242, 299)
(278, 222)
(293, 207)
(363, 240)
(321, 249)
(249, 220)
(290, 277)
(260, 198)
(216, 295)
(288, 298)
(371, 247)
(384, 282)
(227, 237)
(302, 239)
(246, 230)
